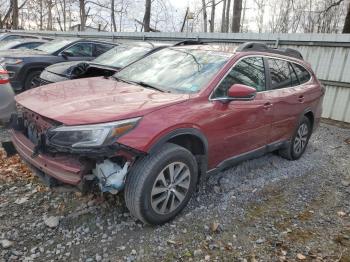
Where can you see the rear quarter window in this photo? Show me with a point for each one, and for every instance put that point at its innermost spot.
(303, 75)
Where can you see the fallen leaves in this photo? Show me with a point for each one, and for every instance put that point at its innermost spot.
(13, 169)
(341, 213)
(215, 227)
(301, 256)
(347, 141)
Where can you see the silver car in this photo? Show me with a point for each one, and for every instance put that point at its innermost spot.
(7, 97)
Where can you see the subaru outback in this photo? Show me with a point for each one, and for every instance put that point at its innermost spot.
(157, 127)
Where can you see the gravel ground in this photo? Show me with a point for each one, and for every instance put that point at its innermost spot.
(267, 209)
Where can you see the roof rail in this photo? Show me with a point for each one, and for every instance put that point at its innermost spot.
(262, 47)
(189, 42)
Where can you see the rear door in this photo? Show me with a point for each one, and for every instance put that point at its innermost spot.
(287, 96)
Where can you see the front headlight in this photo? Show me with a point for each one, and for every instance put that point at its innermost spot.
(10, 61)
(90, 135)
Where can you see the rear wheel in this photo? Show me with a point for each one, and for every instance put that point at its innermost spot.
(299, 141)
(159, 186)
(32, 80)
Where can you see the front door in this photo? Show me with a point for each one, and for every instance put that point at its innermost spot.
(80, 52)
(241, 126)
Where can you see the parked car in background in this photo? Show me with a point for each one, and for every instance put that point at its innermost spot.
(25, 66)
(106, 64)
(21, 44)
(160, 124)
(7, 100)
(7, 36)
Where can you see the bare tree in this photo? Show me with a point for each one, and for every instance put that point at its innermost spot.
(205, 17)
(346, 28)
(212, 16)
(223, 20)
(113, 16)
(14, 14)
(227, 16)
(260, 6)
(147, 16)
(82, 12)
(236, 17)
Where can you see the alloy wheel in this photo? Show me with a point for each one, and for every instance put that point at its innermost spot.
(300, 140)
(35, 82)
(170, 188)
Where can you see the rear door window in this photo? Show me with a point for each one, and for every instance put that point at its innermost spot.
(80, 50)
(101, 48)
(282, 74)
(303, 75)
(249, 71)
(28, 45)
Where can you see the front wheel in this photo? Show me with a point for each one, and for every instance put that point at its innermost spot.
(299, 141)
(32, 80)
(159, 186)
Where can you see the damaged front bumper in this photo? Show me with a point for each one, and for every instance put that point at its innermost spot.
(107, 165)
(63, 168)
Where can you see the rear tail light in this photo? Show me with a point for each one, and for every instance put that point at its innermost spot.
(4, 77)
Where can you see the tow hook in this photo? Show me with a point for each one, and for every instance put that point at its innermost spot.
(111, 176)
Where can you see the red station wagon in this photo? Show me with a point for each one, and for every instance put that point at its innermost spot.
(159, 125)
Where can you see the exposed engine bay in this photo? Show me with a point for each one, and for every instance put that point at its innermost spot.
(85, 69)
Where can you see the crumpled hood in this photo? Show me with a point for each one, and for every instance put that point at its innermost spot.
(66, 68)
(75, 69)
(95, 100)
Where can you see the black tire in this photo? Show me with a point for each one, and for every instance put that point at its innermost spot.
(142, 178)
(290, 151)
(32, 80)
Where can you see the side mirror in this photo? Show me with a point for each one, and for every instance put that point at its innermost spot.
(241, 92)
(66, 54)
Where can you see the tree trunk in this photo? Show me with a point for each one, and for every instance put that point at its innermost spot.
(227, 18)
(64, 16)
(15, 14)
(113, 16)
(212, 16)
(147, 17)
(7, 16)
(41, 14)
(223, 20)
(205, 18)
(346, 28)
(49, 15)
(82, 15)
(184, 21)
(237, 13)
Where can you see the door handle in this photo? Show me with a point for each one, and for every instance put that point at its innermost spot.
(301, 98)
(267, 105)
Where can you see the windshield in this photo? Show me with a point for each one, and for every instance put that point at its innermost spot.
(54, 45)
(176, 70)
(4, 45)
(122, 55)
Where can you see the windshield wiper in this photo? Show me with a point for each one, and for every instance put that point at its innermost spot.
(144, 84)
(122, 80)
(141, 83)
